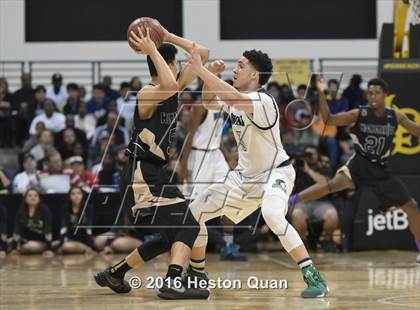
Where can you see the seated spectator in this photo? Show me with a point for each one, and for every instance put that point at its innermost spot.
(98, 105)
(52, 120)
(22, 98)
(33, 226)
(135, 85)
(120, 135)
(26, 93)
(3, 231)
(301, 91)
(346, 146)
(36, 105)
(287, 93)
(29, 177)
(6, 178)
(73, 240)
(112, 108)
(70, 123)
(109, 92)
(126, 104)
(96, 153)
(328, 141)
(81, 177)
(121, 161)
(336, 103)
(6, 120)
(57, 91)
(85, 122)
(289, 143)
(34, 139)
(275, 90)
(55, 164)
(46, 143)
(80, 150)
(71, 105)
(354, 93)
(55, 178)
(309, 171)
(66, 147)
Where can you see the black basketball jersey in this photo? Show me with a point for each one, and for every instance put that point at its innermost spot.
(152, 137)
(372, 135)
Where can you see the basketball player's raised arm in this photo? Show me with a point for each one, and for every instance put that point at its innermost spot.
(408, 124)
(186, 76)
(339, 119)
(207, 96)
(167, 82)
(225, 92)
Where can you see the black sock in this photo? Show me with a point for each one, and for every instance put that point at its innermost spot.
(174, 271)
(119, 269)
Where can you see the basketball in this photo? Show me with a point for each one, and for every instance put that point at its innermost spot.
(156, 30)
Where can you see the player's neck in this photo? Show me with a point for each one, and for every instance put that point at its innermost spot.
(379, 111)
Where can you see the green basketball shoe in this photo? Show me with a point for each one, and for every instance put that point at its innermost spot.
(192, 278)
(317, 287)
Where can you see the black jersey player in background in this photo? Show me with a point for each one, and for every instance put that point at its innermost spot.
(32, 231)
(149, 196)
(372, 133)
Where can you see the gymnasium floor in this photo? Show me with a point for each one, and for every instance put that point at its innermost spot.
(364, 280)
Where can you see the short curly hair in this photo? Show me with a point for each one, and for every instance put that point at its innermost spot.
(262, 63)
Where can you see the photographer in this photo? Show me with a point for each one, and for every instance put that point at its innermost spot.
(307, 216)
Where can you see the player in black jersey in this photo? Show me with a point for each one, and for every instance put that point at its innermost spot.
(32, 231)
(372, 133)
(75, 240)
(149, 195)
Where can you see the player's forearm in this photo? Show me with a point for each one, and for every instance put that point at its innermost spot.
(317, 177)
(324, 109)
(167, 79)
(187, 45)
(223, 90)
(187, 148)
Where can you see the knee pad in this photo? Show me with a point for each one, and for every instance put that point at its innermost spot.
(153, 248)
(274, 211)
(188, 231)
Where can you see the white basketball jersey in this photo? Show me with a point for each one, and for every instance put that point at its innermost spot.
(257, 135)
(209, 134)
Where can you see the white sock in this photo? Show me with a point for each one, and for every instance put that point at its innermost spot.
(198, 265)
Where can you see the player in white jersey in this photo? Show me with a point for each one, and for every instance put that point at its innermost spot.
(264, 177)
(203, 163)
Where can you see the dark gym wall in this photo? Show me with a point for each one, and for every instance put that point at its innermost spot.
(94, 20)
(302, 19)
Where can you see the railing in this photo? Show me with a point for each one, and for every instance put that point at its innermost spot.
(13, 71)
(87, 73)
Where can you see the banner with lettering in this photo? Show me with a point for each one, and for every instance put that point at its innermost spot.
(373, 229)
(403, 76)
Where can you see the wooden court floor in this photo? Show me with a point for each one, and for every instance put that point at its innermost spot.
(365, 280)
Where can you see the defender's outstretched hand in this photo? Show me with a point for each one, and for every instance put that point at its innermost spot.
(217, 66)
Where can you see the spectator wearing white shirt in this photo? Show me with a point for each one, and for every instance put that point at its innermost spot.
(57, 92)
(46, 143)
(28, 178)
(85, 121)
(52, 120)
(126, 104)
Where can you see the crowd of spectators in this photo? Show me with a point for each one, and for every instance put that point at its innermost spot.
(81, 140)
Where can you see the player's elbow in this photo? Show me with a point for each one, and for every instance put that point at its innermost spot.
(170, 86)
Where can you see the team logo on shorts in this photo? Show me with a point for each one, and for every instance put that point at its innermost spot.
(280, 184)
